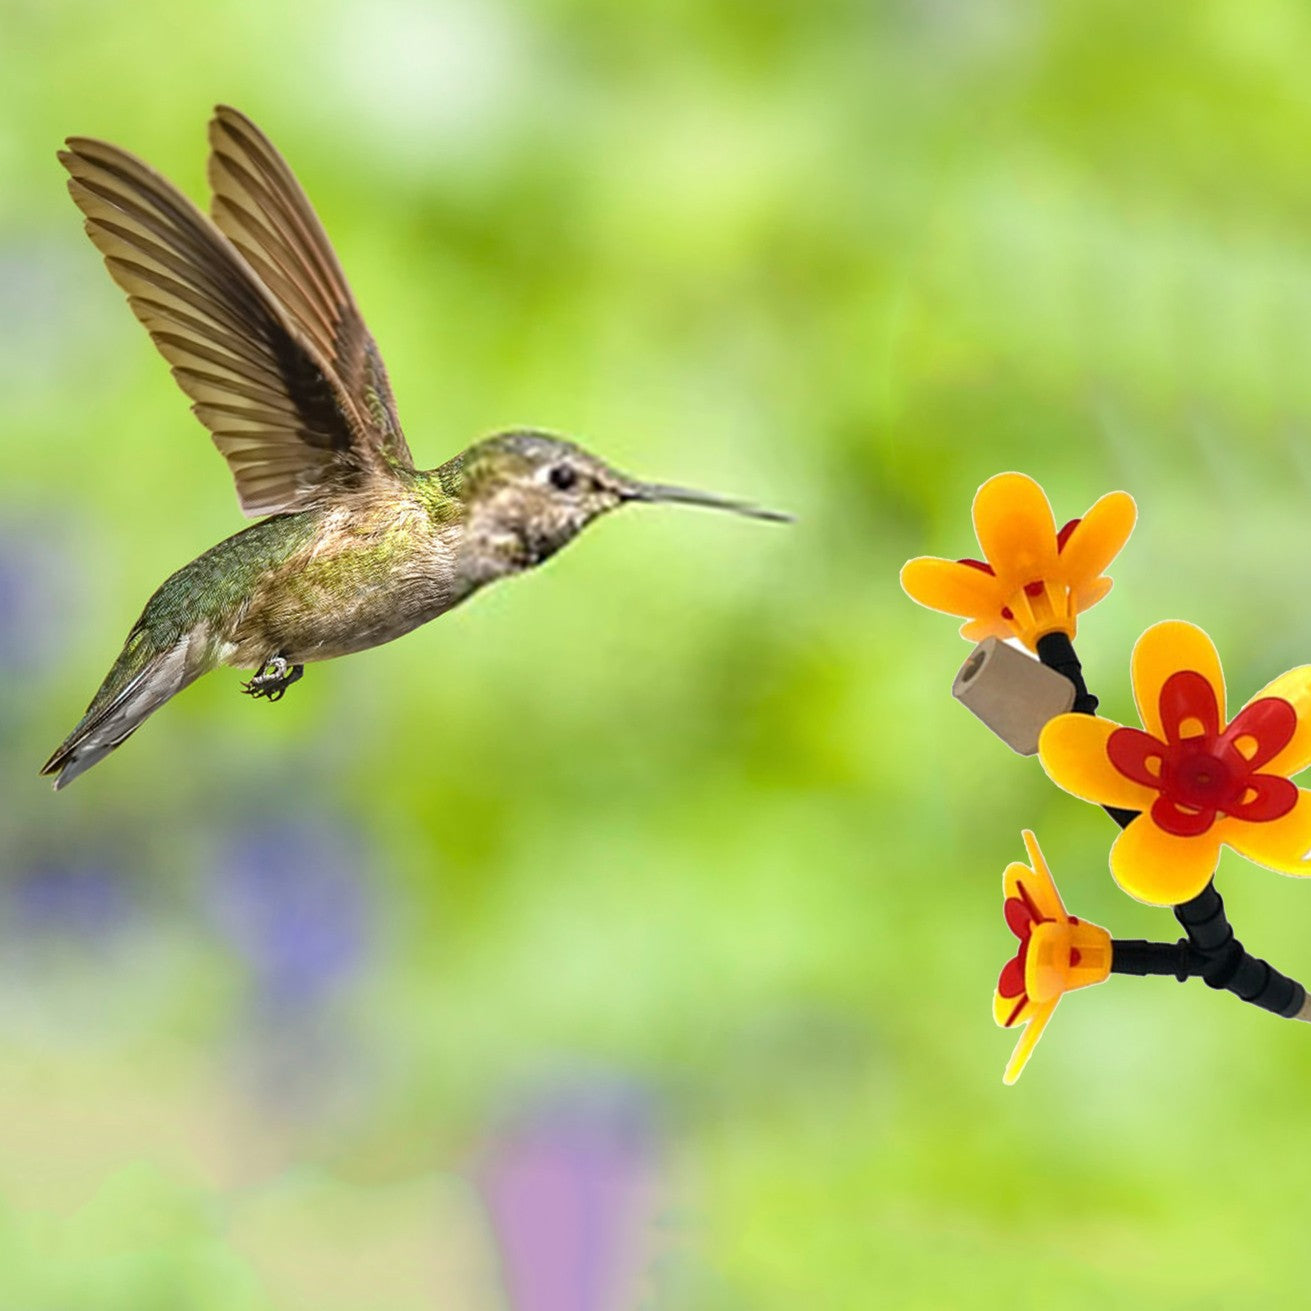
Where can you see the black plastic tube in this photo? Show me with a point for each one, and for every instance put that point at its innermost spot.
(1178, 960)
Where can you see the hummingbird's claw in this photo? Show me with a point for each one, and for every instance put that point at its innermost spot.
(274, 679)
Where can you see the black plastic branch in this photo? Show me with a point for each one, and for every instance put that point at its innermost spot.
(1056, 651)
(1179, 959)
(1228, 963)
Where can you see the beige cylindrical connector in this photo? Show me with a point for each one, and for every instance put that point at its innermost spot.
(1012, 693)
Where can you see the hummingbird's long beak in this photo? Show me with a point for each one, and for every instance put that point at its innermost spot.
(689, 496)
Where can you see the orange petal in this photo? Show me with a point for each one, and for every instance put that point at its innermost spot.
(1028, 1040)
(1086, 595)
(1072, 749)
(1013, 520)
(1295, 688)
(1282, 844)
(1098, 538)
(1161, 869)
(954, 588)
(1164, 649)
(977, 629)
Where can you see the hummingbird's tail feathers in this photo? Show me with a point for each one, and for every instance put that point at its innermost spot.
(117, 713)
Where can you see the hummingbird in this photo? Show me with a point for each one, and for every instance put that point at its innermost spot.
(353, 546)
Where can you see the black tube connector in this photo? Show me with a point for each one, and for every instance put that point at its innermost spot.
(1228, 963)
(1178, 960)
(1056, 651)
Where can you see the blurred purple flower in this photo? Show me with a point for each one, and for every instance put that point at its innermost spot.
(86, 901)
(29, 600)
(567, 1185)
(289, 898)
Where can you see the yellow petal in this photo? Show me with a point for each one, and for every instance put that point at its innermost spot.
(1072, 749)
(1014, 523)
(1164, 649)
(1295, 688)
(1097, 539)
(1015, 872)
(1281, 844)
(1161, 869)
(1028, 1040)
(1040, 883)
(952, 587)
(1004, 1007)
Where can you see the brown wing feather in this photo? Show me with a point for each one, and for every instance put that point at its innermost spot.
(291, 433)
(260, 207)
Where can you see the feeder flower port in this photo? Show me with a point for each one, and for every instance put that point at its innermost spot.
(1033, 580)
(1200, 783)
(1057, 954)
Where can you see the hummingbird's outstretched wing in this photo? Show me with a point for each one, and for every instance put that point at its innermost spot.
(260, 207)
(293, 435)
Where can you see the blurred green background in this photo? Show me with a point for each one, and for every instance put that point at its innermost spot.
(627, 938)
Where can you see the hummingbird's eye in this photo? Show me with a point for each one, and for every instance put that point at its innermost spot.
(563, 477)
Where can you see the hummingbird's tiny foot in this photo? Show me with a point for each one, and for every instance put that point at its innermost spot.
(274, 679)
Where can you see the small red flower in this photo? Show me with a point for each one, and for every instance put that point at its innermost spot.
(1198, 770)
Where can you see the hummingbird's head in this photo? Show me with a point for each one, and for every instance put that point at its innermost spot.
(529, 493)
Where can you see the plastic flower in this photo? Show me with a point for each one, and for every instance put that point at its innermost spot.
(1057, 954)
(1033, 579)
(1199, 782)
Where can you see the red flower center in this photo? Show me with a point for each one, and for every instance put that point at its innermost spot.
(1201, 772)
(1199, 776)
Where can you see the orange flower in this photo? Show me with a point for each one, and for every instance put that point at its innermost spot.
(1198, 781)
(1033, 580)
(1057, 954)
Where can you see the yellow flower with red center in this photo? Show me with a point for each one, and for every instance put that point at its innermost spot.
(1033, 580)
(1199, 782)
(1057, 954)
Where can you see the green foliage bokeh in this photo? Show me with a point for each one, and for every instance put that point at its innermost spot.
(691, 805)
